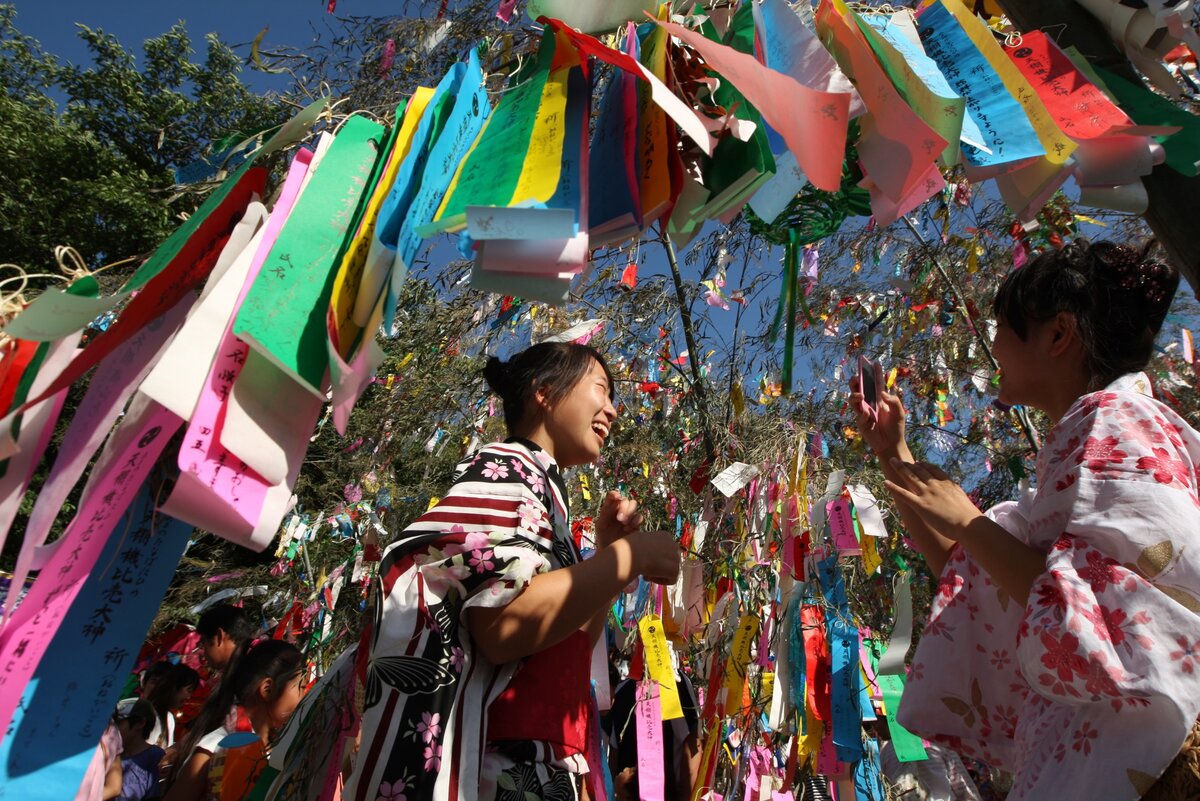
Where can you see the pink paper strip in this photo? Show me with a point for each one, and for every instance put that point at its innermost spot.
(812, 123)
(133, 450)
(237, 492)
(841, 527)
(652, 780)
(37, 425)
(109, 390)
(897, 147)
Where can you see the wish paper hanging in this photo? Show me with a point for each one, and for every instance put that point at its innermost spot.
(283, 315)
(614, 194)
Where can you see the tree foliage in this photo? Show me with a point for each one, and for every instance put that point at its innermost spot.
(98, 173)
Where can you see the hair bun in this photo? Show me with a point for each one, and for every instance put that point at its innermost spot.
(498, 375)
(1139, 272)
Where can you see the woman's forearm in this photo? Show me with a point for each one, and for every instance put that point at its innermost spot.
(929, 543)
(1011, 563)
(554, 605)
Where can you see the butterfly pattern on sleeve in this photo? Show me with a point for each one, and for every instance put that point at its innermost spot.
(502, 522)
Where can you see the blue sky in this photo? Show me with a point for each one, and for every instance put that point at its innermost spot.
(292, 22)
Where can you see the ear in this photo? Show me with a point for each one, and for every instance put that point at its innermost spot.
(265, 690)
(541, 398)
(1064, 333)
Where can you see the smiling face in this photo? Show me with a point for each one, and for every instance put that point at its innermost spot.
(578, 423)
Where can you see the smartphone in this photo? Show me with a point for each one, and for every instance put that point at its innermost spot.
(869, 386)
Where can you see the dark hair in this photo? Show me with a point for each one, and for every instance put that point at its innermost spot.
(1118, 294)
(555, 366)
(270, 659)
(158, 670)
(172, 680)
(233, 620)
(140, 711)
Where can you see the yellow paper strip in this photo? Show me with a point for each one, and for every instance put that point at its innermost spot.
(658, 665)
(1057, 144)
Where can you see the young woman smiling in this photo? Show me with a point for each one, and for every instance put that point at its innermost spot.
(478, 662)
(1064, 640)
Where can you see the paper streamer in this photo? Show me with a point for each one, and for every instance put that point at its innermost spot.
(1007, 134)
(130, 453)
(176, 267)
(66, 706)
(108, 391)
(897, 147)
(37, 425)
(206, 493)
(813, 123)
(658, 665)
(652, 781)
(282, 317)
(846, 676)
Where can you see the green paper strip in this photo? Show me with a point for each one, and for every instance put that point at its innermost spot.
(909, 747)
(283, 315)
(491, 170)
(1147, 108)
(789, 345)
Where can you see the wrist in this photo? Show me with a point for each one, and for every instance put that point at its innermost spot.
(626, 560)
(966, 531)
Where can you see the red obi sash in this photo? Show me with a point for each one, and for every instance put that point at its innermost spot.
(548, 700)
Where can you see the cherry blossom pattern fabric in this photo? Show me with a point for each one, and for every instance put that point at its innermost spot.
(1090, 690)
(427, 692)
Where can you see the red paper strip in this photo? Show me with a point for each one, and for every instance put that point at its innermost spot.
(193, 263)
(1074, 102)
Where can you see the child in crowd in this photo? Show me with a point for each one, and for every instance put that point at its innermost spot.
(135, 720)
(223, 760)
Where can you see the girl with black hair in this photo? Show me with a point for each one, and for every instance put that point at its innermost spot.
(477, 665)
(1064, 640)
(265, 685)
(167, 694)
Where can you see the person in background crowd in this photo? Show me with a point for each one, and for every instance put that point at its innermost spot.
(1064, 639)
(941, 776)
(102, 781)
(135, 720)
(681, 741)
(225, 633)
(225, 630)
(167, 696)
(265, 686)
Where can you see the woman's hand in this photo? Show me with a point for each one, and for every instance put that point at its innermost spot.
(884, 432)
(656, 555)
(618, 518)
(940, 502)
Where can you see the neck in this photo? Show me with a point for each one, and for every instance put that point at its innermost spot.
(1061, 396)
(261, 723)
(133, 747)
(537, 434)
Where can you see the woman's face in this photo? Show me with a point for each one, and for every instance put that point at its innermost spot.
(579, 422)
(285, 703)
(1019, 360)
(181, 697)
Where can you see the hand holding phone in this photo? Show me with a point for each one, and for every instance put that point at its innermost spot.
(868, 385)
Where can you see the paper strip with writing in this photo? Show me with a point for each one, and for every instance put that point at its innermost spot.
(132, 451)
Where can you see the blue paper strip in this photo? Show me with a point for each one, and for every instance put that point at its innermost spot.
(846, 681)
(425, 174)
(68, 703)
(1001, 121)
(868, 775)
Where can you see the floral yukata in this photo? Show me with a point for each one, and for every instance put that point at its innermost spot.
(427, 691)
(1089, 691)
